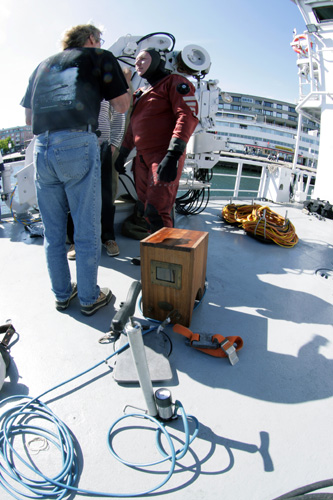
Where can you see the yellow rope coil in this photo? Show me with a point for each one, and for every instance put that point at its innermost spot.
(262, 222)
(228, 213)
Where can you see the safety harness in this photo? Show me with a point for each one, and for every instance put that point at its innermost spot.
(215, 345)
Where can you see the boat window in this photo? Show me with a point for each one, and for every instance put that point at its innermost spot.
(323, 13)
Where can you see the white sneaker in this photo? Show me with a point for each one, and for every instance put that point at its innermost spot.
(71, 254)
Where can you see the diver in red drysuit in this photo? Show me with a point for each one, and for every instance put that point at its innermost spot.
(162, 121)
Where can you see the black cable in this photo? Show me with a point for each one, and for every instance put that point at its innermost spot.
(123, 183)
(123, 57)
(195, 201)
(159, 33)
(311, 496)
(301, 493)
(192, 202)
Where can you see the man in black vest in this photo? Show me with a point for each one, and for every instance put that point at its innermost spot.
(62, 103)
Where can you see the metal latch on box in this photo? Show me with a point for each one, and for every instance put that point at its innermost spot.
(215, 345)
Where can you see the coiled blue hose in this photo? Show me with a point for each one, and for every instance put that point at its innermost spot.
(19, 421)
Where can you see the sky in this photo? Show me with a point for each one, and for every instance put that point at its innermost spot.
(248, 41)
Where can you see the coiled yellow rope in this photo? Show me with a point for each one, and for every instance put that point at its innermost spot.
(262, 222)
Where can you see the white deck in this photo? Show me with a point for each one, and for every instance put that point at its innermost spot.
(265, 423)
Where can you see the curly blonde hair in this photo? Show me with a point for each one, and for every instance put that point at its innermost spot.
(78, 35)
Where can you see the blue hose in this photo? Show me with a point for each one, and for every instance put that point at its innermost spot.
(18, 421)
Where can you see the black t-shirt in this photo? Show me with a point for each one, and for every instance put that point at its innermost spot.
(66, 90)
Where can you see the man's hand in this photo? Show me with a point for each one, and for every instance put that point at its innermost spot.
(119, 164)
(167, 169)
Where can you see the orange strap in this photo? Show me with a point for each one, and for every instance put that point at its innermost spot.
(217, 345)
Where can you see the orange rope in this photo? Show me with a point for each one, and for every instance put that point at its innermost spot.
(262, 222)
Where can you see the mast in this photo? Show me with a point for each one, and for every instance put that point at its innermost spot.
(315, 64)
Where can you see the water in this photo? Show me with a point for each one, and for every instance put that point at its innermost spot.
(224, 181)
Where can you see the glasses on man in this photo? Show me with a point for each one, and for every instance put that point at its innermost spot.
(97, 40)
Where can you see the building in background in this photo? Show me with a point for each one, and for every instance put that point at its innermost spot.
(251, 124)
(265, 127)
(20, 137)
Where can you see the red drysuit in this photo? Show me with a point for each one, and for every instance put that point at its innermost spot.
(165, 111)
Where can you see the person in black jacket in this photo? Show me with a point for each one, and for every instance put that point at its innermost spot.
(62, 102)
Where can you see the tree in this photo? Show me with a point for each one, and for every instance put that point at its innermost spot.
(4, 144)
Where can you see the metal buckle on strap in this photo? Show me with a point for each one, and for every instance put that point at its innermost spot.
(230, 351)
(9, 331)
(205, 342)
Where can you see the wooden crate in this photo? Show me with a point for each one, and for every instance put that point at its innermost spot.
(173, 272)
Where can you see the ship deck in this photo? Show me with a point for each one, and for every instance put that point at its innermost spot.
(265, 423)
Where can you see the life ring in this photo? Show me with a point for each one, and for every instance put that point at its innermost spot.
(298, 47)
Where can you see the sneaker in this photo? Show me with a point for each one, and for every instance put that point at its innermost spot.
(104, 298)
(61, 305)
(71, 254)
(112, 248)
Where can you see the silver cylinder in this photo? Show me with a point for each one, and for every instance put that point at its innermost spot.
(164, 403)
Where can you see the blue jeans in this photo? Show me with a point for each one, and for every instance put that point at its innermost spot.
(68, 177)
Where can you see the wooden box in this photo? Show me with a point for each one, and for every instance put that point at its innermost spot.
(173, 272)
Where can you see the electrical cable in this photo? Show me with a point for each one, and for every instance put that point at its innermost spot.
(159, 33)
(192, 202)
(195, 201)
(235, 213)
(173, 456)
(302, 493)
(124, 184)
(123, 58)
(18, 421)
(262, 223)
